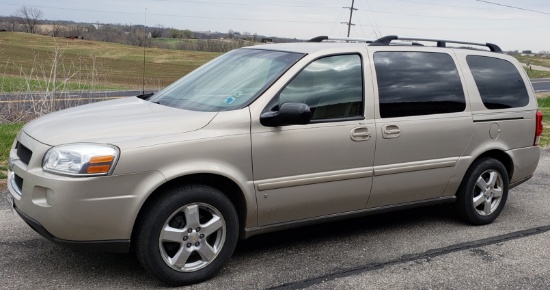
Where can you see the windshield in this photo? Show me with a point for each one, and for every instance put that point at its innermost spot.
(227, 82)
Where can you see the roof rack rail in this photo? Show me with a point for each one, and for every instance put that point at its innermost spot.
(386, 40)
(322, 38)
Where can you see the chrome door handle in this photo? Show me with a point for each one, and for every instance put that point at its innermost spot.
(396, 131)
(390, 131)
(360, 134)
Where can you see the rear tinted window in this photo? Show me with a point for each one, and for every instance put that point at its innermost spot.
(417, 83)
(499, 82)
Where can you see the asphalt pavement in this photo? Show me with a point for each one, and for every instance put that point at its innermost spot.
(541, 85)
(425, 248)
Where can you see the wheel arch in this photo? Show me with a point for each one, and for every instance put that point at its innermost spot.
(466, 163)
(222, 183)
(466, 194)
(502, 157)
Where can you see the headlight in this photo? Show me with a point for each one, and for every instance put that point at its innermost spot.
(81, 159)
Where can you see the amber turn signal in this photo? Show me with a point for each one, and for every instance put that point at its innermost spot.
(98, 169)
(101, 159)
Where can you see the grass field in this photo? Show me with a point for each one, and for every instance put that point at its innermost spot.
(26, 56)
(544, 106)
(538, 74)
(26, 62)
(169, 42)
(536, 60)
(7, 135)
(10, 84)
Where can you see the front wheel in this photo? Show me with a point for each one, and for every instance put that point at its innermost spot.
(187, 235)
(483, 192)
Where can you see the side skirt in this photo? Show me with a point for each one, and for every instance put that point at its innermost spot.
(341, 216)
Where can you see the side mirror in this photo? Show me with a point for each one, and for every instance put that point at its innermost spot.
(288, 114)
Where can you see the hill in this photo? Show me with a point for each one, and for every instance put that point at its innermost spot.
(30, 62)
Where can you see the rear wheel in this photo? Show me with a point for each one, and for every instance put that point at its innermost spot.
(187, 235)
(483, 192)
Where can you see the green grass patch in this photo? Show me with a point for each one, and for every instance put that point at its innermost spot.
(537, 74)
(534, 60)
(544, 106)
(168, 42)
(10, 84)
(7, 135)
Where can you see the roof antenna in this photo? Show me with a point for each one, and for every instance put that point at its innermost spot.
(144, 44)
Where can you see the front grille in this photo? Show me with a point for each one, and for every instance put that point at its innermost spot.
(18, 182)
(23, 153)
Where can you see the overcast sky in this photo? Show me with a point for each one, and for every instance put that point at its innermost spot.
(467, 20)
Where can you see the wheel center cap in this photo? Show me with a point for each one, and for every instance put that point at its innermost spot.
(193, 237)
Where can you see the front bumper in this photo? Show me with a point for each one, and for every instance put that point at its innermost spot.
(113, 246)
(90, 212)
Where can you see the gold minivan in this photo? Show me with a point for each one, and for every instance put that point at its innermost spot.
(277, 136)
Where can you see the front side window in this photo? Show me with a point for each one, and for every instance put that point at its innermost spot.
(417, 83)
(499, 82)
(331, 86)
(228, 82)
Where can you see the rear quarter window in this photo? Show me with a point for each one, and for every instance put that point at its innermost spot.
(499, 82)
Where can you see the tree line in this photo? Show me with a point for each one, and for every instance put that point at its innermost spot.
(30, 20)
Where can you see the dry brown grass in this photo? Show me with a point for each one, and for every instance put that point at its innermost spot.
(120, 65)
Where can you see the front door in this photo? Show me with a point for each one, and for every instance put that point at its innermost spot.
(325, 167)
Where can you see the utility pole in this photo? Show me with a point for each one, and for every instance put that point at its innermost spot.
(144, 44)
(350, 15)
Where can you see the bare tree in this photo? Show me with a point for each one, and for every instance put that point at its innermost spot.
(56, 28)
(188, 33)
(11, 23)
(136, 37)
(30, 17)
(157, 31)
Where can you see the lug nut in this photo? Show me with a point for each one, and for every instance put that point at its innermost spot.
(190, 230)
(189, 245)
(201, 236)
(197, 244)
(185, 238)
(198, 229)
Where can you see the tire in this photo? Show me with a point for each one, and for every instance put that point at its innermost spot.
(187, 235)
(483, 192)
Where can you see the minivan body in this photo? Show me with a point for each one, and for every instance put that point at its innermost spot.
(276, 136)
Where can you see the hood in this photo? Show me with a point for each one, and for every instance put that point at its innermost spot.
(114, 121)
